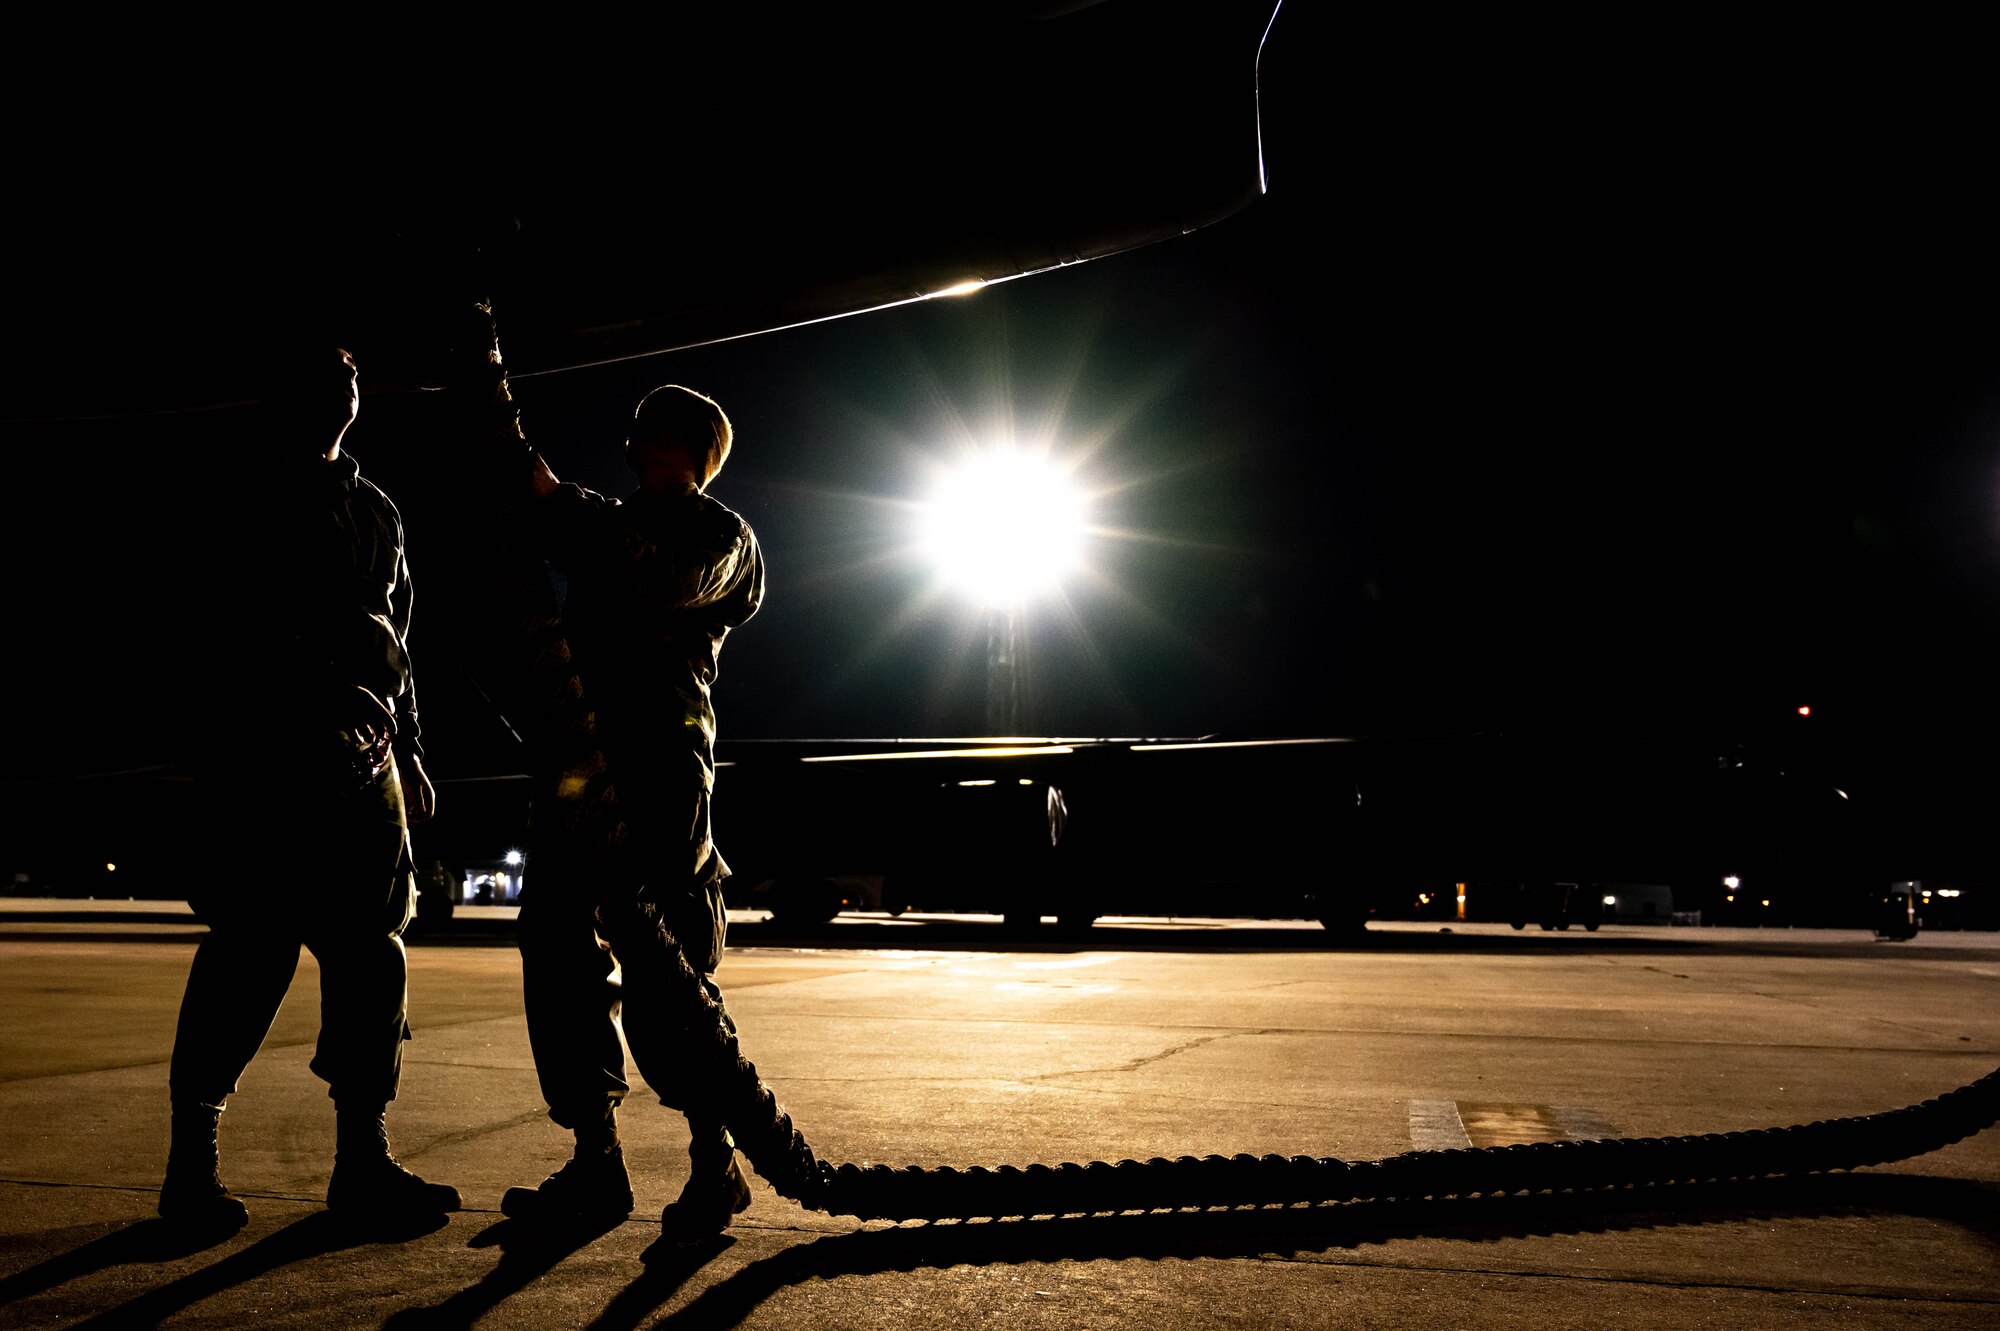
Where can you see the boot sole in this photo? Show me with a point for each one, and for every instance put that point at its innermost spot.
(221, 1210)
(681, 1228)
(530, 1204)
(442, 1201)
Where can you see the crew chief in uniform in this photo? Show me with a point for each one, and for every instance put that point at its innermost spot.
(310, 776)
(653, 584)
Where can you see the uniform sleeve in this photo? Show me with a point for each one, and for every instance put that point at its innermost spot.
(409, 730)
(708, 563)
(686, 559)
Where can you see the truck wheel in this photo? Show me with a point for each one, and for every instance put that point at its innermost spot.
(1351, 923)
(806, 902)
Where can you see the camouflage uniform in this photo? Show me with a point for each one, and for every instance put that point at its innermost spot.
(653, 584)
(319, 851)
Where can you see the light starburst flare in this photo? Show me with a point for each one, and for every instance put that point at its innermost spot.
(1004, 526)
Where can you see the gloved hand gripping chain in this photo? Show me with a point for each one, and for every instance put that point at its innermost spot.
(548, 697)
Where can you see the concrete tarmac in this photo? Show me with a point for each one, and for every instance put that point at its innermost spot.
(931, 1041)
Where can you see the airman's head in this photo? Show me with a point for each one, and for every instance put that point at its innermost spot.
(678, 433)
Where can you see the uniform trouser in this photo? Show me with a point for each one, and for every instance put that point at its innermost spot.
(591, 961)
(327, 872)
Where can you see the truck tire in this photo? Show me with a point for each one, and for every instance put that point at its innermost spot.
(806, 902)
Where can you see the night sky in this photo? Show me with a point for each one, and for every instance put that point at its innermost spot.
(1641, 381)
(1654, 391)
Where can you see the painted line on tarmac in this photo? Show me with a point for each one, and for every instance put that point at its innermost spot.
(1489, 1123)
(1436, 1126)
(1583, 1123)
(1449, 1125)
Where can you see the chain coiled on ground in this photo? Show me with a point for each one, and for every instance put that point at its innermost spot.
(765, 1133)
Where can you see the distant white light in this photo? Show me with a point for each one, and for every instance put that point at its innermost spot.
(1732, 882)
(1004, 526)
(998, 751)
(1231, 744)
(513, 857)
(1611, 901)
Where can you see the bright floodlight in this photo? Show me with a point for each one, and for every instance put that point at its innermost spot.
(1004, 526)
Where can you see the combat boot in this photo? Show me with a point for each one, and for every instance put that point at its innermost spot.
(591, 1187)
(716, 1191)
(193, 1193)
(368, 1180)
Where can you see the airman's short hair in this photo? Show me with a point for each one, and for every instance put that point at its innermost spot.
(678, 416)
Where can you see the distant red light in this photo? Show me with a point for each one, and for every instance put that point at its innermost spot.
(1805, 711)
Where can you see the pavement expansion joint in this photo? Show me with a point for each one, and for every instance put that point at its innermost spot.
(1146, 1060)
(1157, 1096)
(475, 1133)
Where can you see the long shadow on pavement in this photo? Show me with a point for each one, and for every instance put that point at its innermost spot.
(1311, 1229)
(313, 1236)
(527, 1253)
(119, 1243)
